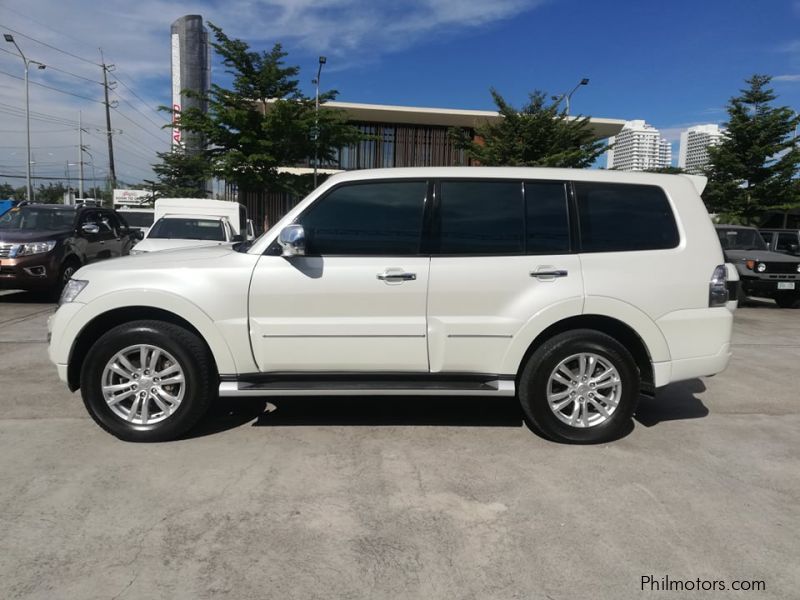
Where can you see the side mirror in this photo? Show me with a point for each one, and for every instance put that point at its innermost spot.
(90, 228)
(292, 240)
(237, 238)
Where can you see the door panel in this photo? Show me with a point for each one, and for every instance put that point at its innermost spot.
(477, 305)
(335, 314)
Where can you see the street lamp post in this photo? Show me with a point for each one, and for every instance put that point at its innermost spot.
(10, 39)
(322, 61)
(568, 96)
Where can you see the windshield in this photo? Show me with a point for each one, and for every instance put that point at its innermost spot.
(741, 239)
(31, 218)
(188, 229)
(138, 219)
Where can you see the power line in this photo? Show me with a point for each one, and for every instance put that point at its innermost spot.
(59, 69)
(124, 116)
(49, 87)
(40, 24)
(86, 60)
(123, 84)
(140, 112)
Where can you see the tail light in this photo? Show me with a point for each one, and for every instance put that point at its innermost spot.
(718, 287)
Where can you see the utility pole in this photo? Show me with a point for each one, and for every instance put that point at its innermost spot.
(112, 174)
(322, 61)
(80, 154)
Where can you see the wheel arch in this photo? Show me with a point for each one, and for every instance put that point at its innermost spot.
(624, 333)
(103, 322)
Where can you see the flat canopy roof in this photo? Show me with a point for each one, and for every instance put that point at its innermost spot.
(448, 117)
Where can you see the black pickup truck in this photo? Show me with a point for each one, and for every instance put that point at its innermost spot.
(42, 245)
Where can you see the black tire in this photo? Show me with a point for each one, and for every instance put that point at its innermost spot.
(536, 372)
(189, 351)
(790, 300)
(68, 269)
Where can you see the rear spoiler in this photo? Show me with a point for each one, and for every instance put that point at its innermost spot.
(698, 181)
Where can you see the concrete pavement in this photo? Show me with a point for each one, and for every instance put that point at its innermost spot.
(402, 498)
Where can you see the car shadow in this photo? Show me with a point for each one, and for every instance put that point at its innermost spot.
(22, 297)
(675, 402)
(359, 411)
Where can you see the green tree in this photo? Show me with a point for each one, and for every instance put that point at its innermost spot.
(52, 193)
(754, 167)
(263, 121)
(182, 174)
(538, 135)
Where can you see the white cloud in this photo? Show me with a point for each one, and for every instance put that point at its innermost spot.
(135, 36)
(792, 77)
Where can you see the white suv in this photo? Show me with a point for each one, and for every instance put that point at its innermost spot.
(573, 290)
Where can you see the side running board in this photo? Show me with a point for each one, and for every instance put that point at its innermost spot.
(365, 384)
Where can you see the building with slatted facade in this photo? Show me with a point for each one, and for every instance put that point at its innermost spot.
(400, 136)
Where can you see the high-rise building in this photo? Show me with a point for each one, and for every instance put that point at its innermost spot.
(191, 70)
(639, 147)
(693, 154)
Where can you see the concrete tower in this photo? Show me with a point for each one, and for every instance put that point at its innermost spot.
(191, 70)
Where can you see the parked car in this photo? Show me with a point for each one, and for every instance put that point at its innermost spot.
(42, 245)
(785, 241)
(574, 290)
(762, 272)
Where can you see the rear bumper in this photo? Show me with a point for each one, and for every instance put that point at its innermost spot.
(699, 342)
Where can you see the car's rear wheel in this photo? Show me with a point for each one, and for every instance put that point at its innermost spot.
(148, 381)
(790, 300)
(580, 387)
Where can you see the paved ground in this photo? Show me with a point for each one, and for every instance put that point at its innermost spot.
(402, 498)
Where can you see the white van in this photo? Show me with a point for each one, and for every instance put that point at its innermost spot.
(573, 290)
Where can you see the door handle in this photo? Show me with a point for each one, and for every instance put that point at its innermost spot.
(548, 273)
(396, 276)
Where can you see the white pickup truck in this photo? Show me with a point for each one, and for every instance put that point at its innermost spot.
(195, 222)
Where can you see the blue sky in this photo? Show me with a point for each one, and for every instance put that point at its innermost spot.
(674, 64)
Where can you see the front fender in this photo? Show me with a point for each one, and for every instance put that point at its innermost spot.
(78, 316)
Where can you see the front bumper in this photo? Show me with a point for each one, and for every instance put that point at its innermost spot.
(35, 272)
(61, 338)
(768, 287)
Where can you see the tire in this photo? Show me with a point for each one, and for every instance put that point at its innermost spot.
(591, 426)
(787, 300)
(169, 410)
(68, 269)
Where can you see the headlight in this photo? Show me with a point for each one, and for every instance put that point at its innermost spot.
(134, 251)
(798, 268)
(761, 267)
(35, 248)
(71, 290)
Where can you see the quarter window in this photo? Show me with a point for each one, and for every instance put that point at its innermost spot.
(368, 219)
(618, 217)
(481, 217)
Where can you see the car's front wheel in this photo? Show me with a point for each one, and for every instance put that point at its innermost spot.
(148, 381)
(580, 387)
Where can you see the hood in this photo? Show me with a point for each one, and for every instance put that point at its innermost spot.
(18, 236)
(764, 256)
(158, 245)
(181, 258)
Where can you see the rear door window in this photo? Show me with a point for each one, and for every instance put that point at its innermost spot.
(481, 218)
(617, 217)
(546, 218)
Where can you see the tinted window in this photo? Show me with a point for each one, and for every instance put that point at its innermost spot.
(481, 217)
(547, 223)
(30, 218)
(741, 239)
(616, 217)
(767, 235)
(188, 229)
(371, 219)
(786, 241)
